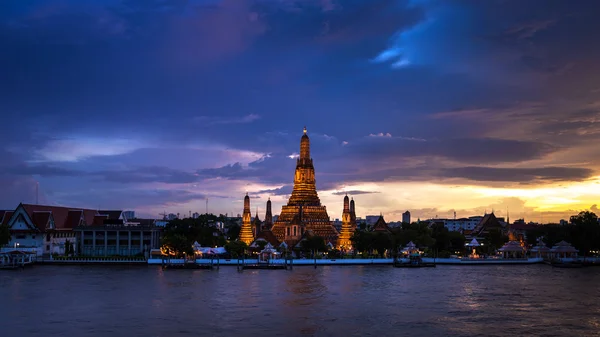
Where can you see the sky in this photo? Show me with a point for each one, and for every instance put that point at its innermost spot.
(431, 106)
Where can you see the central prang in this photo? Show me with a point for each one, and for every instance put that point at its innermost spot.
(303, 215)
(303, 211)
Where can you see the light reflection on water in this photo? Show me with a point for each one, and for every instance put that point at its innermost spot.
(328, 301)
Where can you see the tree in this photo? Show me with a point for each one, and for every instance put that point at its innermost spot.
(67, 248)
(236, 248)
(361, 241)
(381, 242)
(234, 232)
(314, 244)
(177, 245)
(495, 239)
(585, 231)
(4, 235)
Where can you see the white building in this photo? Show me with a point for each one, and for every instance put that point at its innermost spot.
(460, 224)
(46, 229)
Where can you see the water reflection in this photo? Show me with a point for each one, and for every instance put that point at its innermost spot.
(327, 301)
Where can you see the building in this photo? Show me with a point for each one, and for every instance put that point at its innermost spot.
(487, 223)
(128, 214)
(370, 220)
(45, 230)
(195, 215)
(380, 226)
(304, 211)
(406, 217)
(110, 235)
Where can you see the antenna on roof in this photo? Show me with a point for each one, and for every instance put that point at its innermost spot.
(206, 206)
(37, 192)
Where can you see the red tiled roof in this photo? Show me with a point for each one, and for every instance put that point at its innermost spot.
(488, 221)
(40, 219)
(380, 225)
(113, 215)
(74, 218)
(269, 237)
(7, 216)
(61, 215)
(99, 219)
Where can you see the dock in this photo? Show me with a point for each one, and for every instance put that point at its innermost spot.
(279, 264)
(168, 263)
(14, 260)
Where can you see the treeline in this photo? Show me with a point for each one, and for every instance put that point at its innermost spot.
(583, 232)
(180, 234)
(435, 240)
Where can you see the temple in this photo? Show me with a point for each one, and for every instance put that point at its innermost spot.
(304, 211)
(348, 225)
(268, 216)
(246, 233)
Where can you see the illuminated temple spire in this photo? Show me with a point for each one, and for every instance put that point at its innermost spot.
(268, 216)
(348, 225)
(246, 234)
(352, 211)
(304, 210)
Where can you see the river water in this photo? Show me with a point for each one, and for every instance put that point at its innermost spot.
(535, 300)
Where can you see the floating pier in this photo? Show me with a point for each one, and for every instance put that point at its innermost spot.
(279, 264)
(189, 264)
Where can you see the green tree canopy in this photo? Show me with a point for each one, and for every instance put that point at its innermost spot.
(177, 245)
(236, 248)
(314, 244)
(4, 235)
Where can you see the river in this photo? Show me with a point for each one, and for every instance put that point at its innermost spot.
(534, 300)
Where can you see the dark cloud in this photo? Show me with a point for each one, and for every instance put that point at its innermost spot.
(485, 150)
(283, 190)
(353, 192)
(147, 175)
(522, 175)
(486, 84)
(40, 170)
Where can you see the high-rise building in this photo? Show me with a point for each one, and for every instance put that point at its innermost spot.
(406, 217)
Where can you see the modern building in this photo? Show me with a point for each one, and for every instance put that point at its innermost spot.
(110, 235)
(406, 217)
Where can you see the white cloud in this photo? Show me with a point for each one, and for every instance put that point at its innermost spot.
(381, 134)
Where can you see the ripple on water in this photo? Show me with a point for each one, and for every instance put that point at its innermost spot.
(327, 301)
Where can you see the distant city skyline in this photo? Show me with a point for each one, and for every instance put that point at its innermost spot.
(430, 106)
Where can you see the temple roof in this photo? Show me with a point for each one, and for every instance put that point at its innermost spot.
(487, 222)
(267, 236)
(381, 225)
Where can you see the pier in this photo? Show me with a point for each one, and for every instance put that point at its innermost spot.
(168, 263)
(14, 260)
(273, 264)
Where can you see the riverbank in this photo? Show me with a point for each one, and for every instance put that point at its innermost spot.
(355, 262)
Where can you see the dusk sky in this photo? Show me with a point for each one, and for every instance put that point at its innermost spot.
(432, 106)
